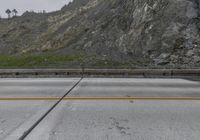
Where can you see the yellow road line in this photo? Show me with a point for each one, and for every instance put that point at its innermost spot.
(97, 98)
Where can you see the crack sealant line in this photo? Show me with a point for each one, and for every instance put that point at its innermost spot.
(26, 133)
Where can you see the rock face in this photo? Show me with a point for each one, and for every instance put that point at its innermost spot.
(145, 33)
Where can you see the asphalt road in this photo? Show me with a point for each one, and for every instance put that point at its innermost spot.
(102, 120)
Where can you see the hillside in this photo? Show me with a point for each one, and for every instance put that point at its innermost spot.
(108, 33)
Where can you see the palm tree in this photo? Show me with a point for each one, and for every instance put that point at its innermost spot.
(14, 11)
(8, 12)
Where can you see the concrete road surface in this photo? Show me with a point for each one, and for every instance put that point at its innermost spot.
(41, 87)
(137, 87)
(17, 116)
(121, 120)
(106, 120)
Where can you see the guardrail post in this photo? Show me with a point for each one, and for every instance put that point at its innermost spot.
(82, 73)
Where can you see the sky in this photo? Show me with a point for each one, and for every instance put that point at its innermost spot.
(35, 5)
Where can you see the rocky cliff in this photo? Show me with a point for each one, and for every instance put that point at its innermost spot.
(143, 33)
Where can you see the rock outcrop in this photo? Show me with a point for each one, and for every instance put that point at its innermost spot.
(143, 33)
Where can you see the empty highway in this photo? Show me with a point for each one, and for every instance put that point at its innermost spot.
(100, 119)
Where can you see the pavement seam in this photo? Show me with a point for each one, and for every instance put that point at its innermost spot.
(26, 133)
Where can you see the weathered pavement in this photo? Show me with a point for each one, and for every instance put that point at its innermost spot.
(121, 120)
(17, 116)
(106, 120)
(140, 87)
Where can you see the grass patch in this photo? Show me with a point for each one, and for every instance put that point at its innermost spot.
(37, 61)
(63, 61)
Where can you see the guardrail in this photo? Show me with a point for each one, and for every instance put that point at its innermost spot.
(100, 72)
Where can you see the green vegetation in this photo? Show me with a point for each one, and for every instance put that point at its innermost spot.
(110, 64)
(38, 61)
(62, 61)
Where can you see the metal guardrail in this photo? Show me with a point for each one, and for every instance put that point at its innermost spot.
(100, 72)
